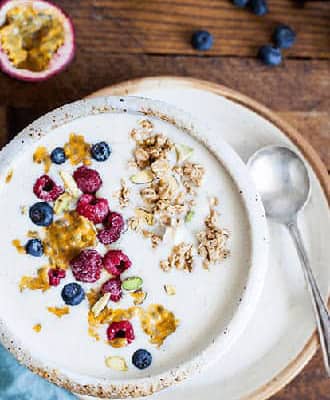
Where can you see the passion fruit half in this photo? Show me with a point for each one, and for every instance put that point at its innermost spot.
(36, 39)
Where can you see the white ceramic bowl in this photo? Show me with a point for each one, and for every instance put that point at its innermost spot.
(240, 305)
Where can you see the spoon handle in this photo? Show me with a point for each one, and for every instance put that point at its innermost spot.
(321, 312)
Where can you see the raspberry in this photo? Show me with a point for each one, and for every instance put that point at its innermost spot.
(46, 189)
(112, 286)
(114, 224)
(87, 266)
(122, 329)
(116, 262)
(88, 180)
(55, 275)
(92, 208)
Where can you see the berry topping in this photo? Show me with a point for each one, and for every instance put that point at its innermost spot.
(121, 330)
(55, 275)
(34, 247)
(58, 155)
(284, 37)
(270, 55)
(73, 294)
(87, 266)
(202, 40)
(116, 262)
(114, 225)
(88, 180)
(93, 208)
(41, 214)
(101, 151)
(112, 286)
(46, 189)
(141, 359)
(259, 7)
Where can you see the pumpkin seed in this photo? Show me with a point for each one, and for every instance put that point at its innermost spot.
(132, 283)
(189, 216)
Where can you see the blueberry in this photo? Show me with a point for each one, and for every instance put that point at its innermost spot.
(41, 214)
(101, 151)
(73, 294)
(259, 7)
(34, 247)
(270, 55)
(284, 37)
(58, 155)
(202, 40)
(142, 359)
(240, 3)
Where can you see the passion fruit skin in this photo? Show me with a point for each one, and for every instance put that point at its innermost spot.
(61, 59)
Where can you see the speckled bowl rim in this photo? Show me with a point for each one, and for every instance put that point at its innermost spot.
(234, 166)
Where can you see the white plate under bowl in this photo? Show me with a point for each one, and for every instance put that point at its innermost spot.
(280, 338)
(244, 272)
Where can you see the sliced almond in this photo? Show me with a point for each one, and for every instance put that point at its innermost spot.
(145, 176)
(145, 216)
(116, 363)
(100, 304)
(183, 152)
(160, 168)
(70, 184)
(170, 290)
(62, 203)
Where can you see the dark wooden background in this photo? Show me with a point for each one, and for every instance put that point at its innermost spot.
(125, 39)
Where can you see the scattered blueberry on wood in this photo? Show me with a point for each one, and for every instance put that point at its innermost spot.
(240, 3)
(202, 40)
(284, 37)
(259, 7)
(270, 55)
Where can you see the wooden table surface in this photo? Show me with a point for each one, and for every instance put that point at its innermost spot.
(125, 39)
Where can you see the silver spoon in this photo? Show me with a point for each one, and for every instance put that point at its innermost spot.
(283, 182)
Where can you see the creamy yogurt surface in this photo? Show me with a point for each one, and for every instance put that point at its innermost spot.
(205, 300)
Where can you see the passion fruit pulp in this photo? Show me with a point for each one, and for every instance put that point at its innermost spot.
(36, 39)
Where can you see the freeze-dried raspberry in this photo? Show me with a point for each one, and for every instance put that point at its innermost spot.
(88, 180)
(114, 225)
(116, 262)
(121, 329)
(87, 266)
(112, 286)
(55, 275)
(93, 208)
(46, 189)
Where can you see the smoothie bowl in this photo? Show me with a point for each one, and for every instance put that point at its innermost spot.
(133, 251)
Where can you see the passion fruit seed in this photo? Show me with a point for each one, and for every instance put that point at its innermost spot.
(132, 283)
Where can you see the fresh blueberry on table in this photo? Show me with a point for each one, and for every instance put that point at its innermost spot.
(101, 151)
(34, 247)
(58, 155)
(142, 359)
(240, 3)
(270, 55)
(41, 214)
(202, 40)
(259, 7)
(72, 294)
(284, 37)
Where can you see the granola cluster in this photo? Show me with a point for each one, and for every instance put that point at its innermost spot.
(123, 194)
(180, 258)
(212, 241)
(168, 194)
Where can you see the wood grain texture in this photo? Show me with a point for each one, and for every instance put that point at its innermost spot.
(165, 26)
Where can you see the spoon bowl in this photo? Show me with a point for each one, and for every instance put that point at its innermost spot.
(282, 181)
